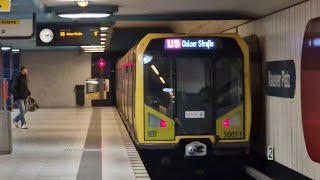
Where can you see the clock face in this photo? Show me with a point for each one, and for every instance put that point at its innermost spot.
(46, 35)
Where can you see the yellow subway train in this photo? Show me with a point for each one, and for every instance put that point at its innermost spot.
(187, 91)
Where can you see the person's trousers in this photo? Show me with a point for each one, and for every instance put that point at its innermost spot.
(21, 103)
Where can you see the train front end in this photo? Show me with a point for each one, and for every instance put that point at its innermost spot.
(194, 92)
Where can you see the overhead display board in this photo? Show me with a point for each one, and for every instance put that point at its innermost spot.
(57, 34)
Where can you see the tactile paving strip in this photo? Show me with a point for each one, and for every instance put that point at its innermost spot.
(135, 160)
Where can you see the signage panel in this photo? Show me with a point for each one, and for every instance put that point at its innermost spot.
(51, 34)
(281, 78)
(5, 5)
(194, 114)
(16, 28)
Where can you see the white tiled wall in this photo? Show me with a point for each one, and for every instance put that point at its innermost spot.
(53, 76)
(281, 36)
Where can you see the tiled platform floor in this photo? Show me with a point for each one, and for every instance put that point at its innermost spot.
(63, 144)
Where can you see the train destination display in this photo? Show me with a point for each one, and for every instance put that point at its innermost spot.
(189, 43)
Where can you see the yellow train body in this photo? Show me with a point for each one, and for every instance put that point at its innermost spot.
(134, 111)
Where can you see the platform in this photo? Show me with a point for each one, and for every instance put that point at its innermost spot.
(88, 143)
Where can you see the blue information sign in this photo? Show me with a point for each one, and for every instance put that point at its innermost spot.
(280, 78)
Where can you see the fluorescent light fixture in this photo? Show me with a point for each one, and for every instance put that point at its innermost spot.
(93, 46)
(162, 80)
(94, 49)
(15, 50)
(92, 82)
(103, 35)
(155, 69)
(84, 15)
(147, 59)
(103, 39)
(103, 43)
(82, 3)
(5, 48)
(104, 28)
(168, 90)
(90, 51)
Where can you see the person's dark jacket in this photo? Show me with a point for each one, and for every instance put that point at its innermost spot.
(20, 87)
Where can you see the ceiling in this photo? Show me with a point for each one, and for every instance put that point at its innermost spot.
(133, 7)
(175, 14)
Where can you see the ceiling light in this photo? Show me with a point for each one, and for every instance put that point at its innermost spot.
(104, 28)
(93, 81)
(93, 49)
(84, 15)
(15, 50)
(103, 39)
(103, 42)
(89, 51)
(94, 46)
(103, 35)
(82, 3)
(5, 48)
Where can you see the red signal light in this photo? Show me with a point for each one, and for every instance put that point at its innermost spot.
(226, 122)
(163, 123)
(101, 63)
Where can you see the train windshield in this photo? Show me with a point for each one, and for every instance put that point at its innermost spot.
(194, 86)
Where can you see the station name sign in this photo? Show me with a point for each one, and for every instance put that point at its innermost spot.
(189, 43)
(57, 34)
(281, 78)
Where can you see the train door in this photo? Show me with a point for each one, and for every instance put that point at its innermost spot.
(195, 113)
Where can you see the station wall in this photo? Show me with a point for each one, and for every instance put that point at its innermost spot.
(53, 76)
(281, 35)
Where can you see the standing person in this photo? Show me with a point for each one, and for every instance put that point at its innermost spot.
(20, 93)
